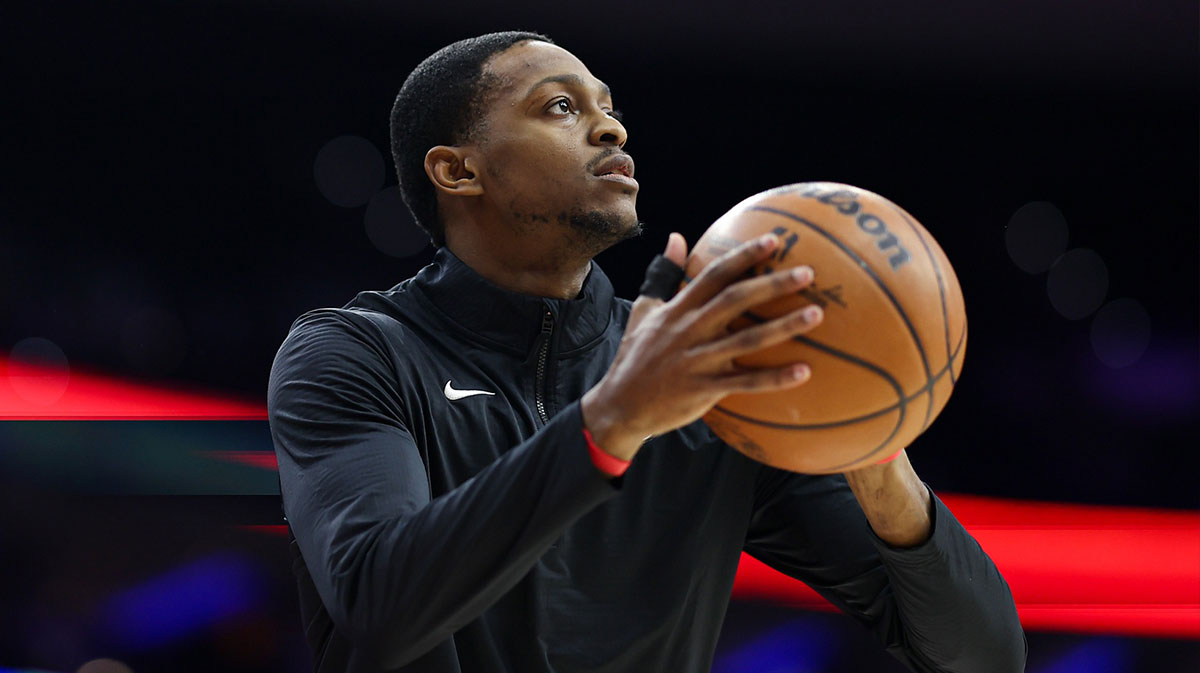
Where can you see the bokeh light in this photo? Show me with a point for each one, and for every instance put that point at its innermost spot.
(1160, 388)
(182, 601)
(390, 226)
(1077, 283)
(45, 377)
(1121, 332)
(797, 646)
(1097, 655)
(349, 170)
(104, 666)
(1036, 235)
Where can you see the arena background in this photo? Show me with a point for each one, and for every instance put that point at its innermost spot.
(181, 180)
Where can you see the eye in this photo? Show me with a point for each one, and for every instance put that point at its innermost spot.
(615, 114)
(562, 106)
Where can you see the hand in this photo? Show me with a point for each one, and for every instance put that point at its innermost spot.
(675, 361)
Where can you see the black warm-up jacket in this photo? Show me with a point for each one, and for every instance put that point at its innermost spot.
(447, 516)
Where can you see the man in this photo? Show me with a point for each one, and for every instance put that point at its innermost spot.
(498, 466)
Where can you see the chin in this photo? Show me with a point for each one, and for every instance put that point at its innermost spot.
(597, 230)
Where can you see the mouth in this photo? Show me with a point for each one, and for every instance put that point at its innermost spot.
(616, 165)
(618, 169)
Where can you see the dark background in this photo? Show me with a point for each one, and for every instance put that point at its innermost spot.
(160, 221)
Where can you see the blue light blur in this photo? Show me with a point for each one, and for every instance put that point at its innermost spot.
(802, 645)
(182, 602)
(1097, 655)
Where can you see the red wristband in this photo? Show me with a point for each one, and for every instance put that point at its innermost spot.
(606, 463)
(894, 456)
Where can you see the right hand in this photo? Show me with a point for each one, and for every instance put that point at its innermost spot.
(675, 361)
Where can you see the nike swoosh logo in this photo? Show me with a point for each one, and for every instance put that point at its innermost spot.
(452, 394)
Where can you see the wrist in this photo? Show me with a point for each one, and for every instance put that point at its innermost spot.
(609, 465)
(608, 432)
(895, 501)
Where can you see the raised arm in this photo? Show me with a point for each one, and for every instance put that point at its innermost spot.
(940, 606)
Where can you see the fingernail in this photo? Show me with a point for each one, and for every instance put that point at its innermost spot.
(801, 274)
(812, 313)
(767, 241)
(800, 371)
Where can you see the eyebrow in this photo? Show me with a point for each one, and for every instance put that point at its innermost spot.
(575, 80)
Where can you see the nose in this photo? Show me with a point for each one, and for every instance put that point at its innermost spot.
(608, 131)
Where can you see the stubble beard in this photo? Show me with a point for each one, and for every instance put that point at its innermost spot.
(594, 231)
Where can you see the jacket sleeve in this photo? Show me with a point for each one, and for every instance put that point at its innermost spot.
(939, 607)
(397, 570)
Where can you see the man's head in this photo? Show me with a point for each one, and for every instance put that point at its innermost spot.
(512, 131)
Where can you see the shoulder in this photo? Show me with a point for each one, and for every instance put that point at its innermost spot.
(344, 327)
(374, 317)
(335, 360)
(340, 342)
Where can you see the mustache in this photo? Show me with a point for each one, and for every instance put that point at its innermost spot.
(603, 156)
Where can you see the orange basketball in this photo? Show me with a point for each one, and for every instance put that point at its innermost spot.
(889, 351)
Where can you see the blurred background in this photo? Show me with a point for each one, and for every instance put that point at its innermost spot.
(181, 180)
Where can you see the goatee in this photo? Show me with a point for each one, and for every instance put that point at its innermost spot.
(595, 231)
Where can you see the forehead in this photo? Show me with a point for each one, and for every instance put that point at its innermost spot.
(522, 66)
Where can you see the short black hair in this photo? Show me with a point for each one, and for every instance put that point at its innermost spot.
(440, 104)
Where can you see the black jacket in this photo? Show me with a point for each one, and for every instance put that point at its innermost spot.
(474, 534)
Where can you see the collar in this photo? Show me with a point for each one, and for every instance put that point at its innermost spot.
(510, 319)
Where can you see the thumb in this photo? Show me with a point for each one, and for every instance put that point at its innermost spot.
(662, 279)
(666, 270)
(676, 249)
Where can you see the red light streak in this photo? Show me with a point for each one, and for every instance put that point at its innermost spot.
(1083, 568)
(31, 393)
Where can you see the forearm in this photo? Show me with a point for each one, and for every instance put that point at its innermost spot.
(896, 503)
(398, 582)
(950, 596)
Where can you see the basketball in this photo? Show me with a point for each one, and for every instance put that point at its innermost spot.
(887, 354)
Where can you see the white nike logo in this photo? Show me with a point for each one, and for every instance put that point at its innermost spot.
(452, 394)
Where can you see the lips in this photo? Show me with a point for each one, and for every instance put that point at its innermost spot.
(619, 164)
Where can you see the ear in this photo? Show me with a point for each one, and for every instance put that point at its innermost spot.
(452, 171)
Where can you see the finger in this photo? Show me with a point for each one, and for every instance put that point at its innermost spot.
(761, 336)
(665, 272)
(726, 269)
(662, 279)
(676, 249)
(764, 380)
(641, 306)
(742, 296)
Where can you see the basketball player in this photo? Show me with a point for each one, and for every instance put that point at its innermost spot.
(498, 466)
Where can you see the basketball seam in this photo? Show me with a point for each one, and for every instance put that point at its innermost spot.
(849, 421)
(941, 290)
(862, 264)
(902, 402)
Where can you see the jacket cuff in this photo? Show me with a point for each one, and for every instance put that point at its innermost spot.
(942, 526)
(577, 461)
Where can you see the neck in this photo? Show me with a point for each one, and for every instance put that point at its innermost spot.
(520, 265)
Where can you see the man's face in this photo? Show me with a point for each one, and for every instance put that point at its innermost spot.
(551, 150)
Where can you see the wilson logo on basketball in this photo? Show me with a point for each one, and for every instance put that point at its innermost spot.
(887, 355)
(847, 204)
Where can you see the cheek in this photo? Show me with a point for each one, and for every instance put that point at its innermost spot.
(547, 172)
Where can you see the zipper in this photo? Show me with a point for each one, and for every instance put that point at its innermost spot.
(539, 390)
